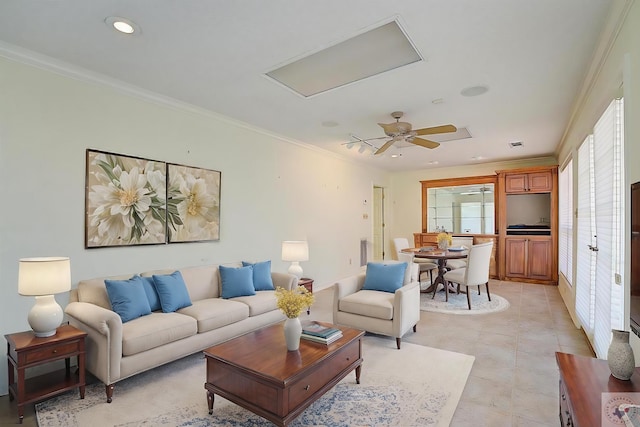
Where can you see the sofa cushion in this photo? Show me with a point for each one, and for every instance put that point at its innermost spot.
(94, 291)
(213, 313)
(172, 291)
(155, 330)
(261, 302)
(384, 277)
(262, 280)
(369, 303)
(236, 282)
(128, 298)
(152, 294)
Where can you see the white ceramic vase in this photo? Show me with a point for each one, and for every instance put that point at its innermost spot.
(292, 332)
(620, 355)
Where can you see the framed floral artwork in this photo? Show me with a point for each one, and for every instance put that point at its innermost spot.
(125, 201)
(193, 204)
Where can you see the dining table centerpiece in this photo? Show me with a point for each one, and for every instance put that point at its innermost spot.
(292, 302)
(444, 240)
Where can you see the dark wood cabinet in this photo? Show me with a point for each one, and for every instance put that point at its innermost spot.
(528, 257)
(532, 182)
(583, 380)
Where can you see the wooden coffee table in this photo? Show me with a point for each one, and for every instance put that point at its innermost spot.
(257, 372)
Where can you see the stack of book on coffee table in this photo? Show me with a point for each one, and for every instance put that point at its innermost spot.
(316, 332)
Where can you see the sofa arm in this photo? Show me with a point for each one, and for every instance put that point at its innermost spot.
(284, 280)
(406, 308)
(345, 287)
(104, 338)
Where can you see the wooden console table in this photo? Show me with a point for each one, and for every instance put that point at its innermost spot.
(582, 382)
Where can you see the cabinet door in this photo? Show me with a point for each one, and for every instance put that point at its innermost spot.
(539, 182)
(515, 183)
(540, 259)
(516, 259)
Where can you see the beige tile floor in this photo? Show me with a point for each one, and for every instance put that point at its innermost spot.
(514, 380)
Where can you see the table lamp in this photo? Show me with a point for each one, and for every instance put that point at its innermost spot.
(43, 277)
(295, 251)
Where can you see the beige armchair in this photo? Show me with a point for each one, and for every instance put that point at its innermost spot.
(457, 241)
(385, 313)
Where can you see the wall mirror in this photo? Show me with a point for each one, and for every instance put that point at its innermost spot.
(459, 206)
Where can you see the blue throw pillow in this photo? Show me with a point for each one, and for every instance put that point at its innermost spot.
(384, 277)
(172, 292)
(127, 298)
(262, 280)
(152, 294)
(236, 282)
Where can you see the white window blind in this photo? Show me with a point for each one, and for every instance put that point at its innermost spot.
(585, 271)
(600, 251)
(565, 216)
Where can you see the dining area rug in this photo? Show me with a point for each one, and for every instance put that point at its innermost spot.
(415, 386)
(457, 303)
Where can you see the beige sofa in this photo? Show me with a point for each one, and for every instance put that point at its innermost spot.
(116, 351)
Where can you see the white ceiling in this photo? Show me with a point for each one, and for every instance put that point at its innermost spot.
(532, 54)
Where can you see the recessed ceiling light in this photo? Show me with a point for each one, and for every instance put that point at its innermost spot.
(474, 91)
(395, 156)
(437, 101)
(477, 158)
(433, 162)
(122, 25)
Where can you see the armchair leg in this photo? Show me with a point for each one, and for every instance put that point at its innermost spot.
(488, 294)
(398, 340)
(468, 298)
(414, 327)
(478, 290)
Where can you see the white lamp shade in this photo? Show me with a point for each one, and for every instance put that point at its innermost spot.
(295, 250)
(44, 276)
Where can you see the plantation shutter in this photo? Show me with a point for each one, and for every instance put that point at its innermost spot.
(565, 241)
(585, 223)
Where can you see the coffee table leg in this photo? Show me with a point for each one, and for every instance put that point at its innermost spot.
(210, 402)
(358, 368)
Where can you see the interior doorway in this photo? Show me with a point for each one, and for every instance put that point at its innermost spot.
(378, 223)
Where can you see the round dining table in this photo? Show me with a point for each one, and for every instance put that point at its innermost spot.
(441, 255)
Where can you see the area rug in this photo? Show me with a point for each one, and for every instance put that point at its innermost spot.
(458, 303)
(414, 386)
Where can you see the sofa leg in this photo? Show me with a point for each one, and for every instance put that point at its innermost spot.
(109, 390)
(398, 340)
(415, 327)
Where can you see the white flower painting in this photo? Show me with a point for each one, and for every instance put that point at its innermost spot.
(125, 200)
(193, 204)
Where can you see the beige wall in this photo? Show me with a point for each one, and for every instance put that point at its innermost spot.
(272, 189)
(619, 69)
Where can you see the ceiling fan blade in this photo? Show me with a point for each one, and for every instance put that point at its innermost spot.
(436, 129)
(384, 148)
(423, 142)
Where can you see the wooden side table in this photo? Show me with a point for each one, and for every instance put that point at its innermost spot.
(308, 284)
(582, 382)
(25, 350)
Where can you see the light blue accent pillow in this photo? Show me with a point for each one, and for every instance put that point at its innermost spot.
(128, 298)
(262, 280)
(152, 294)
(236, 282)
(384, 277)
(172, 291)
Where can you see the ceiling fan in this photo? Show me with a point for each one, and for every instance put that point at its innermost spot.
(399, 131)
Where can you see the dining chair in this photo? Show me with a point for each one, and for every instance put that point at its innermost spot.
(476, 273)
(425, 264)
(458, 241)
